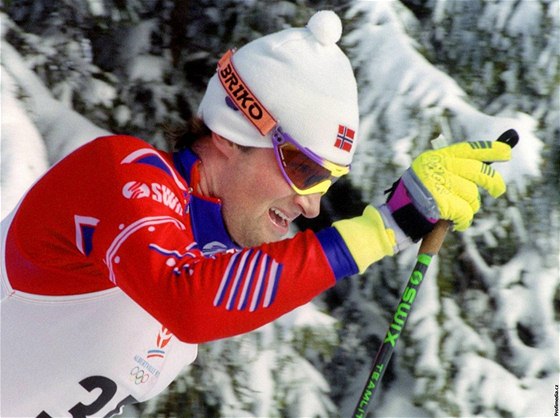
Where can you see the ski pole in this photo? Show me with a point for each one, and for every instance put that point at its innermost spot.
(429, 247)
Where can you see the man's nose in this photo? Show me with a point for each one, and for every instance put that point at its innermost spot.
(310, 204)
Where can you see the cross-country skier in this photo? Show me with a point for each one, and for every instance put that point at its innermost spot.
(122, 258)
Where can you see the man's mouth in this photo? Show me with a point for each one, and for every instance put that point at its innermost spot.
(279, 219)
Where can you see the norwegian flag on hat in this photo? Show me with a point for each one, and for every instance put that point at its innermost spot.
(344, 138)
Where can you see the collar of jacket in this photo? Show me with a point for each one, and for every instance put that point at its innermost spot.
(207, 221)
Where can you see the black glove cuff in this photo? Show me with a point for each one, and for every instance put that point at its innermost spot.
(407, 217)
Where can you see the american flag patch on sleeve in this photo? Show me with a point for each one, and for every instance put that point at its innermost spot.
(249, 282)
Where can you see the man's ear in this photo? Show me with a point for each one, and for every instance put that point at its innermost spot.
(223, 145)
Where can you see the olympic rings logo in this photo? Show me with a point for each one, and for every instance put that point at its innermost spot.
(138, 375)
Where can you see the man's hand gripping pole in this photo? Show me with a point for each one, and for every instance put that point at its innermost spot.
(429, 248)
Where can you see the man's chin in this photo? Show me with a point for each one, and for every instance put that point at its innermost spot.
(256, 241)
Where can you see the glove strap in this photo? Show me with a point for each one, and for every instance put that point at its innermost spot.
(401, 239)
(412, 207)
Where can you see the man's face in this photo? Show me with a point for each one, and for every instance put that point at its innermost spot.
(258, 205)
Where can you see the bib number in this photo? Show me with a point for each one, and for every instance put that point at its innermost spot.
(108, 391)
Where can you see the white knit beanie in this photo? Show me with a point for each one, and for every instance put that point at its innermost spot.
(304, 81)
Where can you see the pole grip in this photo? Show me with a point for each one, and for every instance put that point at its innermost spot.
(432, 242)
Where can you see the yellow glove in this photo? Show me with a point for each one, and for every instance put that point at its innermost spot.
(367, 237)
(452, 175)
(440, 184)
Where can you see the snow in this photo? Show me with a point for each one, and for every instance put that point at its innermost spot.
(101, 93)
(146, 68)
(136, 41)
(447, 335)
(409, 80)
(23, 156)
(63, 129)
(307, 316)
(401, 403)
(96, 7)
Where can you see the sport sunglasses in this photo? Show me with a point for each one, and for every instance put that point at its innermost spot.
(306, 172)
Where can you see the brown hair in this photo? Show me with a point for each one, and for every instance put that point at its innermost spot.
(186, 134)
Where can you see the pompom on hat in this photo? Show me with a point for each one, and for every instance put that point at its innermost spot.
(297, 78)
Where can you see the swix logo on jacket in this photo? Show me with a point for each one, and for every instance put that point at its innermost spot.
(136, 190)
(158, 192)
(112, 273)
